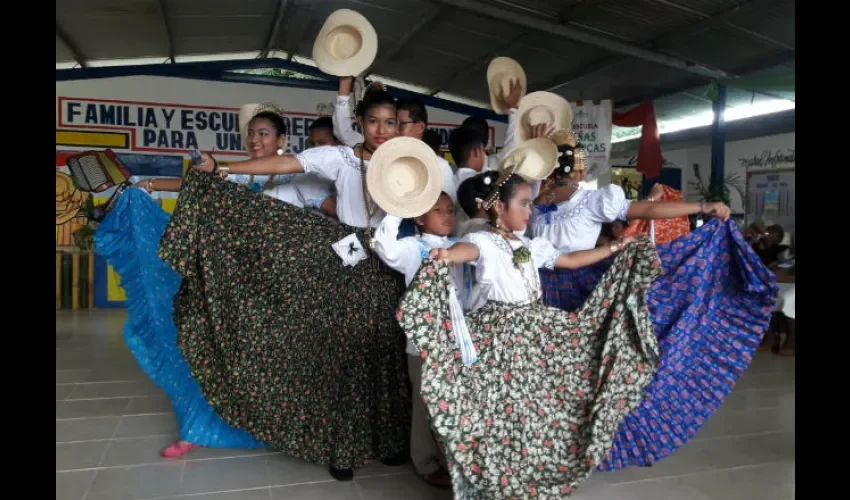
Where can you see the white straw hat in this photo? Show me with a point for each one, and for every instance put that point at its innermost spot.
(500, 73)
(542, 108)
(534, 160)
(346, 45)
(404, 178)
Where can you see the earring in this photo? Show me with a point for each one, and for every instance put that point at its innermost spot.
(280, 152)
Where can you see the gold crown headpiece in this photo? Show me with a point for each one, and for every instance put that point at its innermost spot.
(267, 107)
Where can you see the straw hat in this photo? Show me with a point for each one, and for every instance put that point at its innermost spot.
(534, 160)
(247, 113)
(346, 45)
(500, 73)
(404, 178)
(542, 108)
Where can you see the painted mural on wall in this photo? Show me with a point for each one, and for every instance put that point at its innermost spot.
(69, 208)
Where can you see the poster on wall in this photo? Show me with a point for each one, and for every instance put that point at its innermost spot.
(770, 197)
(592, 122)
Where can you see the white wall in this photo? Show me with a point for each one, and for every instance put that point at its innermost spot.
(203, 94)
(771, 151)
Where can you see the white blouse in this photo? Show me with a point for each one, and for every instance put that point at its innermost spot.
(575, 224)
(499, 280)
(405, 255)
(338, 164)
(300, 190)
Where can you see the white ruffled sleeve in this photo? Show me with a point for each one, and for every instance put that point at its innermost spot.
(402, 255)
(343, 129)
(324, 161)
(480, 241)
(544, 253)
(608, 204)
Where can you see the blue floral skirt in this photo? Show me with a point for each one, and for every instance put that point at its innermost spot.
(128, 238)
(709, 311)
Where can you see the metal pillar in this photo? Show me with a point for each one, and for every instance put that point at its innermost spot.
(718, 137)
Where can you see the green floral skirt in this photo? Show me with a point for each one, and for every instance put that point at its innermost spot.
(538, 410)
(286, 342)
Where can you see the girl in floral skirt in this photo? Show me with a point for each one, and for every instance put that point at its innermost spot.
(287, 318)
(536, 411)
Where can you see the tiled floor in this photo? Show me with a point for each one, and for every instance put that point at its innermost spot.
(111, 422)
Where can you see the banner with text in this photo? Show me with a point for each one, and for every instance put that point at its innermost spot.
(165, 128)
(174, 128)
(592, 125)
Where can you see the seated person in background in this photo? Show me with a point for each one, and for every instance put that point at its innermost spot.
(771, 247)
(618, 227)
(606, 235)
(768, 245)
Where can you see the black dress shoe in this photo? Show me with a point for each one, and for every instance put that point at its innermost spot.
(341, 474)
(396, 460)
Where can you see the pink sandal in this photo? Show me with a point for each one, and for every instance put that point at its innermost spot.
(177, 449)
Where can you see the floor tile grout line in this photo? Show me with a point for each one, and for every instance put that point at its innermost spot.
(63, 419)
(737, 436)
(88, 488)
(698, 473)
(102, 457)
(182, 474)
(129, 438)
(192, 495)
(71, 419)
(92, 382)
(159, 462)
(112, 398)
(360, 492)
(109, 443)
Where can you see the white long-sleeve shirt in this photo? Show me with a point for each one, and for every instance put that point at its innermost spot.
(405, 255)
(344, 124)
